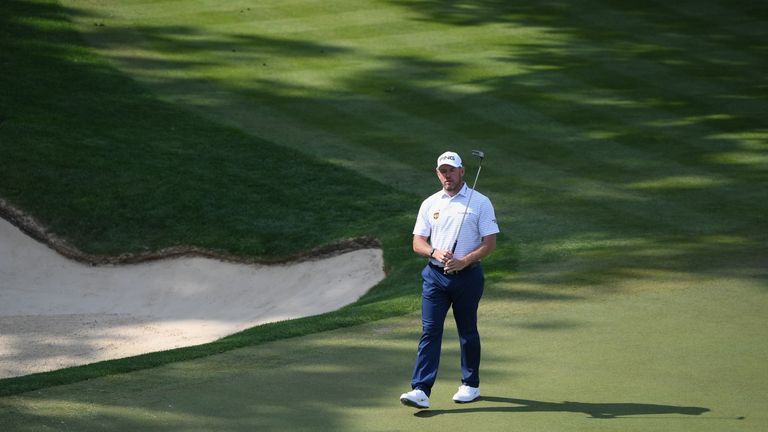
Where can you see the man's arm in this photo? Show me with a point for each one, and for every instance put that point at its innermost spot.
(422, 247)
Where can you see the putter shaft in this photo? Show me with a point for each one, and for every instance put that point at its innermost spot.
(481, 155)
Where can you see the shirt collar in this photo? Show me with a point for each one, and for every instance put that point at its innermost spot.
(462, 192)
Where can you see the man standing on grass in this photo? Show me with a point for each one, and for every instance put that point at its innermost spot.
(451, 279)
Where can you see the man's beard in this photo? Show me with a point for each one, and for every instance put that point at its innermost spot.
(451, 187)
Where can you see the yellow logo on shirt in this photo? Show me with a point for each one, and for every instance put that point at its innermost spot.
(435, 215)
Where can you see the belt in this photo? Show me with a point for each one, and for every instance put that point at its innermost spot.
(469, 267)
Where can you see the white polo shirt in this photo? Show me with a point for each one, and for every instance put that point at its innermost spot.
(440, 216)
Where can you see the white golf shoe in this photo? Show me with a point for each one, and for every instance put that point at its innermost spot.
(415, 398)
(466, 394)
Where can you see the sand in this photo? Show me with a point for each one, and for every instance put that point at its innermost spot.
(56, 312)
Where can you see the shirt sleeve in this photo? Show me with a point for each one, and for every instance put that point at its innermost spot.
(487, 224)
(422, 227)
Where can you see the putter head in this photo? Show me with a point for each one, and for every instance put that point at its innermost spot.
(478, 153)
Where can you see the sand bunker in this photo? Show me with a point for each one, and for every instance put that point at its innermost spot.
(55, 312)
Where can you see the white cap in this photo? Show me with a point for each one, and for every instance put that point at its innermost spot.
(449, 158)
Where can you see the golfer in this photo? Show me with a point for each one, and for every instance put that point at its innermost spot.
(451, 278)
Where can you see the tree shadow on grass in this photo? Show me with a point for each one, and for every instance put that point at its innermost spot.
(628, 126)
(623, 158)
(594, 410)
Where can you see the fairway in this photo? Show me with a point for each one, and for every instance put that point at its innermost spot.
(626, 154)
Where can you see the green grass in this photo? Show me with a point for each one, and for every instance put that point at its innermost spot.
(627, 153)
(112, 169)
(572, 364)
(86, 140)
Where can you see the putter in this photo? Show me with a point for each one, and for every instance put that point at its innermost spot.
(481, 155)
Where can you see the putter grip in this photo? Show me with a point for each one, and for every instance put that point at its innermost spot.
(453, 249)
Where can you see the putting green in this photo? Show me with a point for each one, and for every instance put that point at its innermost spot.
(673, 358)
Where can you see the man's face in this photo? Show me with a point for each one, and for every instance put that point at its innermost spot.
(451, 178)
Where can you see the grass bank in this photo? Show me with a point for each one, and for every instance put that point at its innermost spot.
(112, 169)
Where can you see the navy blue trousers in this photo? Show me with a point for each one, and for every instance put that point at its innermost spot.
(461, 291)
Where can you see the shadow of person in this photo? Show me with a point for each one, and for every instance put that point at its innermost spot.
(594, 410)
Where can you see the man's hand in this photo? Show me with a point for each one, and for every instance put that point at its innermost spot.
(457, 264)
(442, 255)
(454, 264)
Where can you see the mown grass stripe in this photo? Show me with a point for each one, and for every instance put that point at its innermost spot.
(690, 116)
(581, 186)
(598, 156)
(385, 34)
(739, 18)
(299, 20)
(673, 42)
(502, 130)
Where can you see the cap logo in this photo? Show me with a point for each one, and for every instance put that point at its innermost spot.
(449, 158)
